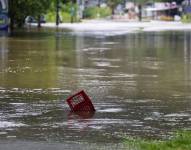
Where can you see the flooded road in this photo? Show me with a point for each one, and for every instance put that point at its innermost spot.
(139, 83)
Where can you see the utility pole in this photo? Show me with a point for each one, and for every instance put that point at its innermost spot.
(57, 12)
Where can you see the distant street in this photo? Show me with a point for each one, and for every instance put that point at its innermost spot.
(121, 27)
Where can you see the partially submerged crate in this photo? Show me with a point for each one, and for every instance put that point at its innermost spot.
(80, 102)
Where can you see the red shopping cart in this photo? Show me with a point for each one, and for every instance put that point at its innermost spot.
(80, 102)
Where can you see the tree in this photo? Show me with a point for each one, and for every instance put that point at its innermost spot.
(38, 8)
(113, 3)
(20, 9)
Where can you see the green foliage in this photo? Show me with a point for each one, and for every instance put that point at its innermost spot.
(145, 1)
(114, 3)
(50, 16)
(104, 12)
(66, 17)
(181, 141)
(65, 13)
(186, 18)
(67, 7)
(19, 9)
(68, 11)
(97, 12)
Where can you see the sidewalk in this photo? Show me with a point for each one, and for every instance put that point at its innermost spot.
(114, 27)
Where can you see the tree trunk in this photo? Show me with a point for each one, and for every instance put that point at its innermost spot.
(112, 12)
(140, 12)
(39, 21)
(11, 15)
(12, 23)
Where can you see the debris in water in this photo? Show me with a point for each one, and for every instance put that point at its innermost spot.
(80, 102)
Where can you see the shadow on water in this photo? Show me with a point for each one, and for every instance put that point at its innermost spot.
(139, 83)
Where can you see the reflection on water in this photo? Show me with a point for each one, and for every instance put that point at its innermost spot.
(3, 52)
(80, 120)
(140, 85)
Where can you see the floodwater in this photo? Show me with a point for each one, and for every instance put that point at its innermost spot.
(139, 83)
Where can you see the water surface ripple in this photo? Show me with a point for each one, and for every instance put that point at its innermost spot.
(139, 83)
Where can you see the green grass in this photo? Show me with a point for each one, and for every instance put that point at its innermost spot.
(181, 141)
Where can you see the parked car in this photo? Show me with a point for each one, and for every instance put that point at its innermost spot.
(42, 19)
(31, 19)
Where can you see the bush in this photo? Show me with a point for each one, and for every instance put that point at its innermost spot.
(68, 13)
(96, 12)
(65, 14)
(50, 17)
(166, 18)
(186, 18)
(65, 17)
(105, 12)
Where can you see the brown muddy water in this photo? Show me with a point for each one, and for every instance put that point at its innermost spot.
(139, 83)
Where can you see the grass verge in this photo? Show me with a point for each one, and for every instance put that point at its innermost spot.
(181, 141)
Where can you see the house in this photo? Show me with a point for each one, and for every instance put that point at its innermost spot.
(186, 4)
(160, 9)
